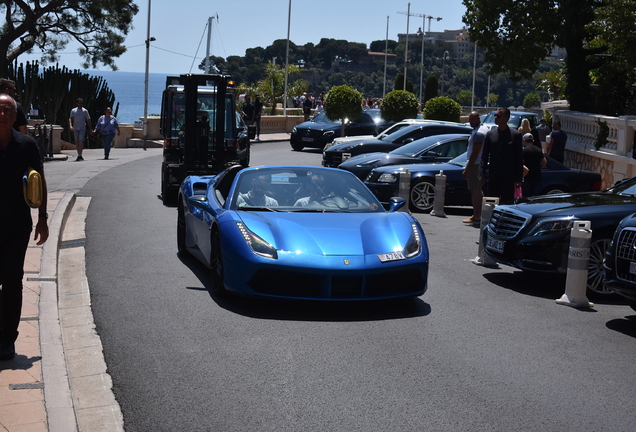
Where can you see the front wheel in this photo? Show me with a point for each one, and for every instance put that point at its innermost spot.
(297, 147)
(422, 196)
(595, 271)
(218, 268)
(181, 232)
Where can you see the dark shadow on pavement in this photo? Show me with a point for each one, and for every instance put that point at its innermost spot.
(626, 325)
(19, 362)
(543, 285)
(306, 310)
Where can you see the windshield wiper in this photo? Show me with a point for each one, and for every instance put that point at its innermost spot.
(252, 208)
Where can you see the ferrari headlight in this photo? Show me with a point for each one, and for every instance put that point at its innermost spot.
(552, 226)
(414, 245)
(258, 245)
(387, 178)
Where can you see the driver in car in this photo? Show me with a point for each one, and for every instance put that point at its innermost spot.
(317, 192)
(256, 196)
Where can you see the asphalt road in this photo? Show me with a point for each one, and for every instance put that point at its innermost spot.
(482, 350)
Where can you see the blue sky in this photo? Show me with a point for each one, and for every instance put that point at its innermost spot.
(178, 27)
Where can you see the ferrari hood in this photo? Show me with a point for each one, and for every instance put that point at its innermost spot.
(331, 234)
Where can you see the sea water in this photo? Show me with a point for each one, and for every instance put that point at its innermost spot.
(129, 90)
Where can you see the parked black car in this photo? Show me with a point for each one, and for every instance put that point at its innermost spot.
(319, 131)
(535, 235)
(437, 148)
(335, 155)
(515, 119)
(620, 261)
(383, 182)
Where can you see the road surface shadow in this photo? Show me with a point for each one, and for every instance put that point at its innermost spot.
(543, 285)
(307, 310)
(626, 325)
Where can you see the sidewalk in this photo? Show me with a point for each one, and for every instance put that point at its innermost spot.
(58, 380)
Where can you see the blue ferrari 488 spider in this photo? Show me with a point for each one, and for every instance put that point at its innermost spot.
(300, 232)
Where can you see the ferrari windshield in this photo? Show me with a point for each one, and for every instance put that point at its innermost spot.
(302, 189)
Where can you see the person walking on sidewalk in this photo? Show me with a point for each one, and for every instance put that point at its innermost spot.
(79, 122)
(258, 112)
(17, 153)
(107, 126)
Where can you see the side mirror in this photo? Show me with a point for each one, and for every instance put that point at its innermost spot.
(199, 201)
(430, 155)
(396, 203)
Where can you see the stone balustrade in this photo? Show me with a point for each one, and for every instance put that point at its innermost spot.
(614, 160)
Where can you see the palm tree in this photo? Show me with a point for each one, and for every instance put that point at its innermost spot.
(553, 82)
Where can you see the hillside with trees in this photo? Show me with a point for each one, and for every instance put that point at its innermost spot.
(334, 62)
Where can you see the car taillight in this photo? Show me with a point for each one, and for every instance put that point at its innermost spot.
(597, 185)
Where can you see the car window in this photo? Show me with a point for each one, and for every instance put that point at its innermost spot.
(322, 118)
(451, 149)
(298, 189)
(395, 128)
(364, 118)
(414, 148)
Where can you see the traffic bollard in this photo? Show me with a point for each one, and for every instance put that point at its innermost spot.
(404, 188)
(488, 204)
(440, 195)
(578, 261)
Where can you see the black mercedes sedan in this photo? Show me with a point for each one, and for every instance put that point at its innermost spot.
(384, 182)
(436, 148)
(335, 155)
(535, 235)
(620, 261)
(319, 130)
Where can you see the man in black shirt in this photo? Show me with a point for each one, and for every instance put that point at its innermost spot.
(8, 87)
(502, 159)
(248, 110)
(534, 160)
(17, 153)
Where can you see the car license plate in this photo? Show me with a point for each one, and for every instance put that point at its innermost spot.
(307, 139)
(495, 245)
(393, 256)
(632, 267)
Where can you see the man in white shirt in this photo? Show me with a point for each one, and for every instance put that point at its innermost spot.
(471, 172)
(79, 122)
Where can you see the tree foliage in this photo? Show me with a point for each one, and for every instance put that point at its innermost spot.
(399, 105)
(532, 100)
(443, 108)
(431, 90)
(464, 97)
(517, 36)
(343, 102)
(99, 27)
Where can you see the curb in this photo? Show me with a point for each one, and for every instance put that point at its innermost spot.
(58, 401)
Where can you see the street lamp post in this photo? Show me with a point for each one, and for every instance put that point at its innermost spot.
(422, 63)
(148, 40)
(444, 70)
(386, 54)
(286, 63)
(406, 48)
